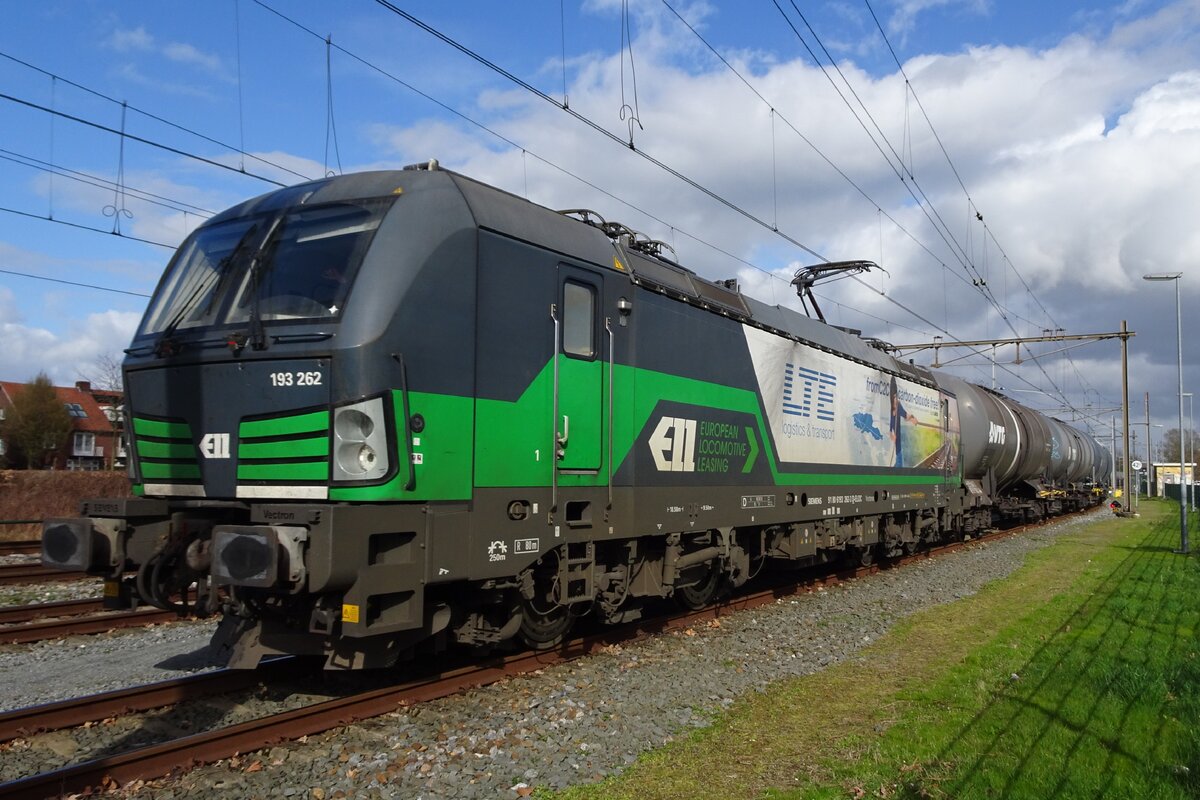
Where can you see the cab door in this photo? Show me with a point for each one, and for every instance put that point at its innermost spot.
(580, 353)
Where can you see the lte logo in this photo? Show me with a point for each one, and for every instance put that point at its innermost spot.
(215, 445)
(673, 445)
(808, 393)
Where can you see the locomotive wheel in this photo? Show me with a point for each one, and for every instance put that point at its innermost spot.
(698, 595)
(541, 629)
(864, 556)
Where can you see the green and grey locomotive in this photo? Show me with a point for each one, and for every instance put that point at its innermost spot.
(379, 414)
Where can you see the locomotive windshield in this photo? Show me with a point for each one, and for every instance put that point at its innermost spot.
(296, 264)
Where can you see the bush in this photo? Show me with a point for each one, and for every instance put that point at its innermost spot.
(38, 494)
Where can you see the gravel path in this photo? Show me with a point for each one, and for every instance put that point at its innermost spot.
(23, 594)
(569, 724)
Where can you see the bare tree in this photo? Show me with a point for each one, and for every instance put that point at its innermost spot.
(1168, 446)
(106, 373)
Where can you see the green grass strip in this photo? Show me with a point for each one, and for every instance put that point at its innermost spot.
(1075, 677)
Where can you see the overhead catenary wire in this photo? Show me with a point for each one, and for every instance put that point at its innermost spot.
(988, 233)
(479, 58)
(775, 112)
(99, 182)
(817, 150)
(664, 166)
(927, 207)
(78, 226)
(563, 170)
(162, 120)
(72, 283)
(140, 139)
(907, 178)
(169, 203)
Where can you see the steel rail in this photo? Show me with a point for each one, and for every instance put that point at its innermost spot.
(77, 626)
(204, 748)
(26, 547)
(62, 608)
(23, 722)
(35, 573)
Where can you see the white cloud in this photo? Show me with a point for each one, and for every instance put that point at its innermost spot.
(125, 40)
(139, 41)
(132, 74)
(183, 53)
(64, 357)
(1082, 156)
(904, 19)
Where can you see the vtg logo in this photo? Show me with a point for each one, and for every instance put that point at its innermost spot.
(215, 445)
(673, 445)
(996, 433)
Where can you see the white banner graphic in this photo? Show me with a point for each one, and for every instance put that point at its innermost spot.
(828, 410)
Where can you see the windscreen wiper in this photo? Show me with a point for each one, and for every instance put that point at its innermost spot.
(257, 335)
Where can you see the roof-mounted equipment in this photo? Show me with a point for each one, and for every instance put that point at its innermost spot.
(616, 231)
(807, 277)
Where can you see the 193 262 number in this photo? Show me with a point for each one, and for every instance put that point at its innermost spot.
(295, 379)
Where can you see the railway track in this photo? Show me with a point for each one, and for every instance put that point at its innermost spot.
(11, 574)
(11, 615)
(160, 759)
(37, 631)
(20, 548)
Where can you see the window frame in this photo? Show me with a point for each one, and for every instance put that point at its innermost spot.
(81, 451)
(593, 293)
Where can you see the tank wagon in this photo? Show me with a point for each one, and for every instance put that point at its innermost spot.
(379, 414)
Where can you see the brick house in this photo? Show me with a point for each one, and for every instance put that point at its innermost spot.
(97, 437)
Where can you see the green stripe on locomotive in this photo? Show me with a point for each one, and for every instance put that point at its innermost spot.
(480, 442)
(284, 449)
(165, 451)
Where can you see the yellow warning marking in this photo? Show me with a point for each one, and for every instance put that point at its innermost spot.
(398, 190)
(349, 613)
(617, 263)
(112, 589)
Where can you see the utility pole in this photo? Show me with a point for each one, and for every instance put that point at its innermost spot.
(1149, 461)
(1125, 399)
(1137, 483)
(1113, 450)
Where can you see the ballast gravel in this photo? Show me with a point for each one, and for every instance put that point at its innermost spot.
(569, 724)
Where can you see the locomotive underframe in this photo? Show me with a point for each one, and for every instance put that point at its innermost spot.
(367, 585)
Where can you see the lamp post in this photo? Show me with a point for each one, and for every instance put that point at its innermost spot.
(1191, 481)
(1175, 276)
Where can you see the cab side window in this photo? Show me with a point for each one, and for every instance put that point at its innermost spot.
(579, 320)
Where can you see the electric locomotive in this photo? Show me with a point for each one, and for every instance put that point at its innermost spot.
(379, 414)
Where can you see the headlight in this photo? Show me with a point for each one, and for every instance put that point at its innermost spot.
(360, 441)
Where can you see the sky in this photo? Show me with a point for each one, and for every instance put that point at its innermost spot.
(1014, 167)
